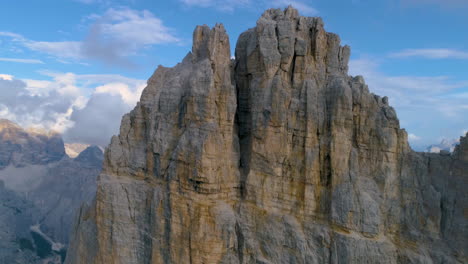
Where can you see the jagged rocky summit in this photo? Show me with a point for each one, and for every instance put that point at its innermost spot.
(41, 189)
(19, 147)
(277, 156)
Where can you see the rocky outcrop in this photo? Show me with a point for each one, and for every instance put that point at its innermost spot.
(19, 147)
(39, 195)
(275, 157)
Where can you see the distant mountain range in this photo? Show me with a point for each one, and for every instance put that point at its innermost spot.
(74, 149)
(447, 145)
(41, 188)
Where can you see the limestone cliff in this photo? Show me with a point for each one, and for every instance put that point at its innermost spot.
(277, 156)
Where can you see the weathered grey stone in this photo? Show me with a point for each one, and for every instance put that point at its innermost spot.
(279, 158)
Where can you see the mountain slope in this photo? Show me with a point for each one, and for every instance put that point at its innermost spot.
(41, 189)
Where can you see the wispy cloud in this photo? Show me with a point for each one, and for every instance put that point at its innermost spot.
(112, 38)
(436, 92)
(28, 61)
(431, 54)
(60, 49)
(119, 33)
(6, 77)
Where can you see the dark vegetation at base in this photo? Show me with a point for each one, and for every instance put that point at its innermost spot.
(63, 254)
(43, 247)
(25, 244)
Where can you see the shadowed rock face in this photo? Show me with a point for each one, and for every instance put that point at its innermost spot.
(276, 157)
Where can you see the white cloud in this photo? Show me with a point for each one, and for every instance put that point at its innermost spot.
(22, 106)
(413, 137)
(422, 87)
(104, 78)
(13, 36)
(431, 54)
(112, 38)
(142, 28)
(6, 77)
(413, 92)
(129, 96)
(98, 120)
(29, 61)
(120, 33)
(61, 49)
(85, 108)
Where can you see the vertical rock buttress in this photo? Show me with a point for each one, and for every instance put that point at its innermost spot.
(277, 156)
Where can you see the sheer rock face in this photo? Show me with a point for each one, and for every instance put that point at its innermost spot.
(276, 157)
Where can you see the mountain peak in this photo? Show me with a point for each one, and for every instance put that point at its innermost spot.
(289, 13)
(7, 124)
(19, 147)
(92, 155)
(277, 157)
(212, 44)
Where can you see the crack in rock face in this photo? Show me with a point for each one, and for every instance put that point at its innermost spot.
(278, 156)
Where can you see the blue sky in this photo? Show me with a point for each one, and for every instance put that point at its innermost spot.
(77, 65)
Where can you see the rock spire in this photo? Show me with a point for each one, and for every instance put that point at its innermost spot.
(276, 157)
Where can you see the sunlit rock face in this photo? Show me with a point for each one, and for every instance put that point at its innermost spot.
(74, 149)
(277, 156)
(40, 191)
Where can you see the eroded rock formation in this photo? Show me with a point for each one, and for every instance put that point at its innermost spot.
(277, 156)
